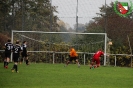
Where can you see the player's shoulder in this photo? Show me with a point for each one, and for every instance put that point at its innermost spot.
(101, 51)
(10, 43)
(6, 43)
(17, 45)
(73, 49)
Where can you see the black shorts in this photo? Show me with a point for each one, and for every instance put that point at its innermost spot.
(8, 54)
(24, 54)
(15, 58)
(72, 58)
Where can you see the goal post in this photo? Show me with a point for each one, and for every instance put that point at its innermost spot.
(60, 35)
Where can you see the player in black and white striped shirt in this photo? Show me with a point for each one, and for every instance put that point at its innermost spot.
(24, 52)
(16, 55)
(8, 50)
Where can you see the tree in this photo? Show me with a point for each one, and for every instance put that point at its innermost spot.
(116, 27)
(27, 15)
(4, 13)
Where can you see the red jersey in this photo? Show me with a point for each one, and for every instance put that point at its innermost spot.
(98, 54)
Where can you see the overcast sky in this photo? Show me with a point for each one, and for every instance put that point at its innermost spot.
(87, 9)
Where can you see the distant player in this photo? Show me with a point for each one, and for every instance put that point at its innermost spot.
(16, 55)
(24, 52)
(96, 59)
(73, 56)
(8, 50)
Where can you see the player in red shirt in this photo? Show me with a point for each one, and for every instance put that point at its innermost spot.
(96, 58)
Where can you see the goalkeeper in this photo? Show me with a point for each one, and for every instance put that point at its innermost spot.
(73, 56)
(96, 59)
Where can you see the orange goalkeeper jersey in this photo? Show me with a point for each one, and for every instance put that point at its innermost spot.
(73, 53)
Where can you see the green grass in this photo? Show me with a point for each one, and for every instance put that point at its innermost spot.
(57, 76)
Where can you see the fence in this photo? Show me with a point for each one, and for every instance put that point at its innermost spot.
(84, 58)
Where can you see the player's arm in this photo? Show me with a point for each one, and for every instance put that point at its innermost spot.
(12, 48)
(71, 53)
(21, 48)
(102, 54)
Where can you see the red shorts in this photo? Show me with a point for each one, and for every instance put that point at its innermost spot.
(97, 60)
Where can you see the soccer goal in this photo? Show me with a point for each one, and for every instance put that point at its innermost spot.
(54, 46)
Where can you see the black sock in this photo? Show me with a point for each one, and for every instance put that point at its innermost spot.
(13, 67)
(16, 67)
(26, 62)
(4, 63)
(22, 59)
(7, 63)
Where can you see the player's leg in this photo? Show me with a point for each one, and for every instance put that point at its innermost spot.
(7, 62)
(4, 62)
(77, 61)
(14, 63)
(92, 63)
(15, 66)
(98, 63)
(7, 59)
(69, 60)
(27, 61)
(26, 58)
(21, 60)
(14, 59)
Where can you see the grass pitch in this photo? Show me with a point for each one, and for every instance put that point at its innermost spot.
(43, 75)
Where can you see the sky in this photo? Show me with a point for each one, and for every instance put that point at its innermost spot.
(87, 9)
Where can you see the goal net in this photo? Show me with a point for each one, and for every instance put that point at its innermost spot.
(54, 46)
